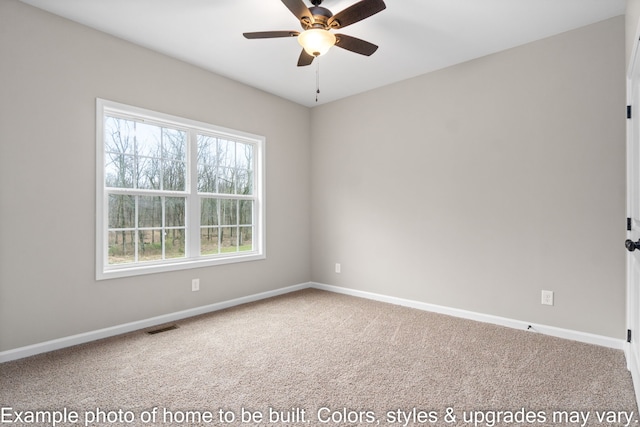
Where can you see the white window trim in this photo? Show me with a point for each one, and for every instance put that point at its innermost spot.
(103, 269)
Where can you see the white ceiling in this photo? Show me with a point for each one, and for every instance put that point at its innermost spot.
(415, 36)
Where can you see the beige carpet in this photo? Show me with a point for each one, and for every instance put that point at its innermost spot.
(316, 358)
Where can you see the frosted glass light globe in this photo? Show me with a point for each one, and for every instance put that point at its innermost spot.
(316, 41)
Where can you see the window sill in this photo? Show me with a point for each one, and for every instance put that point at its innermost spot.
(182, 264)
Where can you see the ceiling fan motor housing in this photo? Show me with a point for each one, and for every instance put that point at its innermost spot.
(320, 17)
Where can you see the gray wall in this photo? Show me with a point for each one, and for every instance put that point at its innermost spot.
(51, 72)
(632, 17)
(477, 186)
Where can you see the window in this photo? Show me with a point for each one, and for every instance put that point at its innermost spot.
(174, 193)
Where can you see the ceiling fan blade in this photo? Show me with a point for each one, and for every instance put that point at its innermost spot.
(270, 34)
(299, 9)
(355, 45)
(305, 59)
(356, 12)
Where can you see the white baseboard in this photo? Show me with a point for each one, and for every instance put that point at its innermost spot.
(486, 318)
(31, 350)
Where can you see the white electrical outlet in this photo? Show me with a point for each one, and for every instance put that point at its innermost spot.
(337, 268)
(547, 297)
(195, 285)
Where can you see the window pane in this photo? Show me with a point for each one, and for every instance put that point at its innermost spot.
(119, 170)
(244, 182)
(246, 212)
(148, 175)
(148, 142)
(208, 240)
(118, 135)
(209, 212)
(207, 163)
(245, 239)
(174, 175)
(207, 149)
(228, 239)
(121, 211)
(149, 211)
(174, 167)
(226, 180)
(174, 144)
(174, 243)
(207, 179)
(174, 211)
(228, 212)
(226, 153)
(148, 154)
(121, 247)
(244, 156)
(149, 245)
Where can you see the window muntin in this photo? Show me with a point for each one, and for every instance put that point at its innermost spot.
(174, 193)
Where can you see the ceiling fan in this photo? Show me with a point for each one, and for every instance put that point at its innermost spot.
(316, 21)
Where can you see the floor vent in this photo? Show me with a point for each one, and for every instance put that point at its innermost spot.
(164, 329)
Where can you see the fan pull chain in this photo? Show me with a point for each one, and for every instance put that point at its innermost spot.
(317, 78)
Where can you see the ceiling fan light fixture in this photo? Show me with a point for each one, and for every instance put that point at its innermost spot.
(316, 41)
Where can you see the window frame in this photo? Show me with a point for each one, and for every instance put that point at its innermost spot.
(193, 258)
